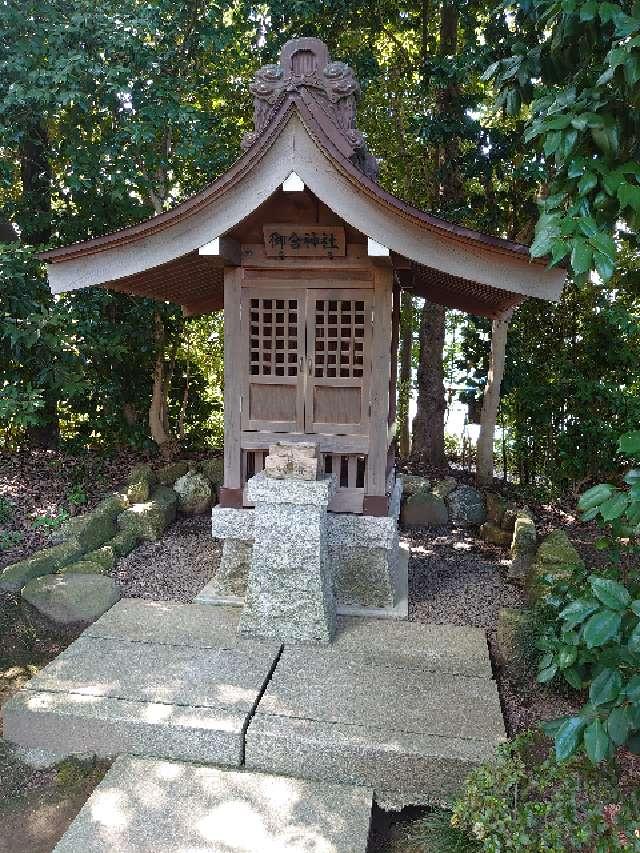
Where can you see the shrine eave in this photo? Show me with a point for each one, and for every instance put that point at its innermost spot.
(160, 257)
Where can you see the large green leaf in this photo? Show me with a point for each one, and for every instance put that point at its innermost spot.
(615, 506)
(601, 627)
(568, 737)
(581, 255)
(595, 496)
(605, 687)
(609, 592)
(596, 741)
(633, 689)
(629, 444)
(576, 612)
(619, 725)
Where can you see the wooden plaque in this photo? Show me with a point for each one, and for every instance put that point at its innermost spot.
(304, 241)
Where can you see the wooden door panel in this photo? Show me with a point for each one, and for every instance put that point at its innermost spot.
(338, 361)
(273, 332)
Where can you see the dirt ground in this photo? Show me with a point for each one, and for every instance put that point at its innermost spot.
(454, 578)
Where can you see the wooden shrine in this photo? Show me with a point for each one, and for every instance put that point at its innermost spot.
(307, 255)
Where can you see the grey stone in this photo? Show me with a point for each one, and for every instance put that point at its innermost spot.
(263, 489)
(361, 531)
(292, 461)
(230, 580)
(137, 620)
(44, 562)
(290, 591)
(227, 678)
(72, 724)
(71, 598)
(194, 493)
(556, 558)
(448, 649)
(395, 499)
(443, 488)
(147, 806)
(424, 509)
(466, 505)
(227, 523)
(105, 556)
(147, 521)
(400, 585)
(496, 508)
(515, 638)
(523, 546)
(96, 527)
(414, 768)
(40, 759)
(336, 689)
(364, 577)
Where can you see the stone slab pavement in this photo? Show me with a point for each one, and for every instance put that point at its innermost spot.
(173, 684)
(150, 806)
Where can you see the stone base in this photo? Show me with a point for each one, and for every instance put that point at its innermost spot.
(152, 806)
(369, 569)
(154, 679)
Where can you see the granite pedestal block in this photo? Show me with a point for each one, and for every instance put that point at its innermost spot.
(364, 555)
(290, 594)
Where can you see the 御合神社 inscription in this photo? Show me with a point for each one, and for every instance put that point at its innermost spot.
(292, 241)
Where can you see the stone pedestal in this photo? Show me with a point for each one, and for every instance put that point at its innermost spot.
(290, 594)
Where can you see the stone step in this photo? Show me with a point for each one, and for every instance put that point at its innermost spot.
(147, 806)
(410, 733)
(159, 690)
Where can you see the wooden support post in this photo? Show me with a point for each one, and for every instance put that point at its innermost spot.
(491, 400)
(231, 492)
(375, 501)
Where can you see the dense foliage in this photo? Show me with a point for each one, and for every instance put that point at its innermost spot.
(592, 636)
(527, 803)
(110, 112)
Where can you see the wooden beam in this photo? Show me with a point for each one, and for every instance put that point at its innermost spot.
(225, 248)
(203, 306)
(380, 373)
(233, 367)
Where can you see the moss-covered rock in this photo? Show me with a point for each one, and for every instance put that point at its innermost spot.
(496, 508)
(104, 556)
(523, 546)
(213, 470)
(516, 641)
(45, 562)
(124, 543)
(98, 526)
(424, 509)
(71, 598)
(466, 505)
(84, 567)
(495, 535)
(443, 488)
(194, 493)
(556, 558)
(140, 484)
(412, 483)
(170, 473)
(148, 520)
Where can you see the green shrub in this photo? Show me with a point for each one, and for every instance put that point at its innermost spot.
(528, 802)
(6, 510)
(593, 638)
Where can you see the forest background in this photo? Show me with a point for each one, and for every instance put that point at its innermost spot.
(519, 120)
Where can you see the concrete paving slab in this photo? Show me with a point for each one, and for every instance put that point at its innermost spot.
(326, 688)
(402, 768)
(145, 806)
(72, 723)
(226, 678)
(143, 621)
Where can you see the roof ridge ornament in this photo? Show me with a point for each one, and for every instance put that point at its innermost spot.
(306, 70)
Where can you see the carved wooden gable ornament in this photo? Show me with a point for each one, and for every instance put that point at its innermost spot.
(305, 69)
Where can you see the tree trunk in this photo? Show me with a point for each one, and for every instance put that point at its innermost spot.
(157, 409)
(428, 424)
(404, 379)
(491, 400)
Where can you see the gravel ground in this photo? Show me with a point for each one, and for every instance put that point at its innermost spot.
(173, 569)
(454, 578)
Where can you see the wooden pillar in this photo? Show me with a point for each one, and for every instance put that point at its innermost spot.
(375, 499)
(491, 400)
(231, 491)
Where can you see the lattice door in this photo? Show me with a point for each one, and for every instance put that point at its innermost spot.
(273, 325)
(338, 361)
